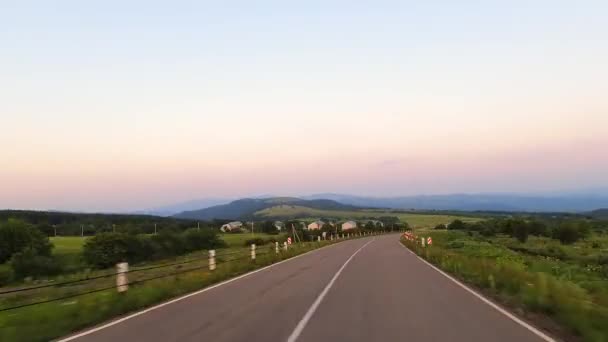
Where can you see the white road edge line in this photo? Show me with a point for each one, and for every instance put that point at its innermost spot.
(302, 324)
(92, 330)
(484, 299)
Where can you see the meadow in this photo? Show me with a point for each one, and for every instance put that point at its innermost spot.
(311, 214)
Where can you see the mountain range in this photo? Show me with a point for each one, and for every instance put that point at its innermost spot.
(229, 208)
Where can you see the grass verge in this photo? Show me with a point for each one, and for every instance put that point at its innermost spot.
(55, 319)
(513, 280)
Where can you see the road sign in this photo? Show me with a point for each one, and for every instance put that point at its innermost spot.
(289, 240)
(429, 241)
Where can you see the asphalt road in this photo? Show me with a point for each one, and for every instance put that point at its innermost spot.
(383, 293)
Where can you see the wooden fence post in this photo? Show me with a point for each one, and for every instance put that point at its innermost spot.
(212, 260)
(122, 281)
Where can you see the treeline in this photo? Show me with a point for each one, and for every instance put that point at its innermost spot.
(27, 252)
(75, 224)
(566, 231)
(107, 249)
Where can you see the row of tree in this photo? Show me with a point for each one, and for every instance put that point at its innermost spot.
(566, 231)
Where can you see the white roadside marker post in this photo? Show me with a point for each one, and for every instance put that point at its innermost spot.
(285, 245)
(276, 247)
(422, 241)
(211, 259)
(253, 251)
(122, 282)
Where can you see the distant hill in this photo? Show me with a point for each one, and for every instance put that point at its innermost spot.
(601, 214)
(249, 207)
(476, 202)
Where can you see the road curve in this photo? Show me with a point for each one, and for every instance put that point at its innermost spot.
(369, 289)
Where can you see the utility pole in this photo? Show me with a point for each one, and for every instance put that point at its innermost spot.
(113, 228)
(199, 225)
(55, 228)
(81, 231)
(252, 234)
(155, 229)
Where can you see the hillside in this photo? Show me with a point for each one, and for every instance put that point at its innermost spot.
(601, 214)
(247, 208)
(578, 202)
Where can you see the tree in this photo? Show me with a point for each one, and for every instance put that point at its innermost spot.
(457, 225)
(370, 225)
(566, 232)
(520, 231)
(268, 227)
(537, 228)
(16, 236)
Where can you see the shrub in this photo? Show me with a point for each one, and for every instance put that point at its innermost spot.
(6, 275)
(441, 226)
(202, 239)
(107, 249)
(168, 243)
(15, 236)
(256, 241)
(457, 225)
(27, 263)
(520, 231)
(567, 233)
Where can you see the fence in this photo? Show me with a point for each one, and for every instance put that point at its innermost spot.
(124, 276)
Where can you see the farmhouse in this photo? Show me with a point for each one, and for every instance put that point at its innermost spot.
(316, 225)
(349, 225)
(232, 226)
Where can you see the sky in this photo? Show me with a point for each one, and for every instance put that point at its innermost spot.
(117, 106)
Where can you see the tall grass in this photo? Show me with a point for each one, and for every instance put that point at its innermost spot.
(508, 278)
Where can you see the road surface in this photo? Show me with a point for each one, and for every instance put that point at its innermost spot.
(370, 289)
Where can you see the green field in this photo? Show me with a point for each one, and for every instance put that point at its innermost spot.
(67, 244)
(70, 245)
(413, 219)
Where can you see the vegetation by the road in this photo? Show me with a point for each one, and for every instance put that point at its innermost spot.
(556, 268)
(46, 321)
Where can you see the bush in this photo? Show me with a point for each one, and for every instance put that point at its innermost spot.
(27, 263)
(6, 275)
(441, 226)
(202, 239)
(567, 233)
(457, 225)
(520, 231)
(15, 236)
(256, 241)
(108, 249)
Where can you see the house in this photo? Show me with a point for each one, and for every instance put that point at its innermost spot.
(279, 225)
(316, 225)
(232, 226)
(349, 225)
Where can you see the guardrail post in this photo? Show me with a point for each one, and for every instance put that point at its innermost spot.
(211, 259)
(253, 251)
(319, 238)
(276, 247)
(122, 281)
(285, 245)
(422, 241)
